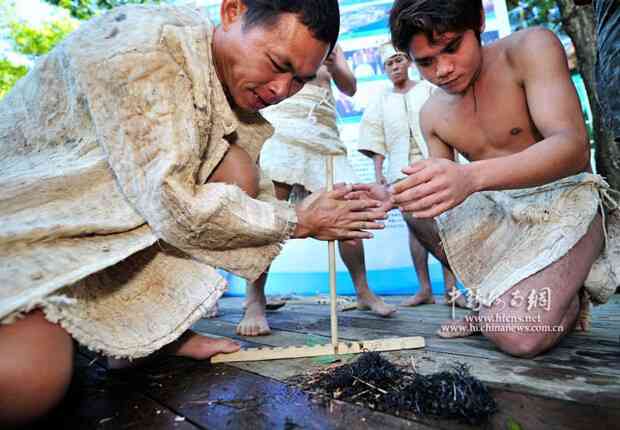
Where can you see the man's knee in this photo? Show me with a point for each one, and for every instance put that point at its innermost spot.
(350, 244)
(36, 364)
(427, 233)
(237, 168)
(519, 344)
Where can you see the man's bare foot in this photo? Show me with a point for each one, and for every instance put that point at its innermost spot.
(190, 344)
(456, 328)
(199, 347)
(459, 302)
(584, 317)
(375, 304)
(419, 299)
(254, 322)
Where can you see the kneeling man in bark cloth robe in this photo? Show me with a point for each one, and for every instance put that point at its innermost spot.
(129, 173)
(521, 224)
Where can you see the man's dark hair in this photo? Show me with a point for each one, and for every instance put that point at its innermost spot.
(322, 17)
(430, 17)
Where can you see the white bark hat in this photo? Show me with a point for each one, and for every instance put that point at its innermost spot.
(387, 51)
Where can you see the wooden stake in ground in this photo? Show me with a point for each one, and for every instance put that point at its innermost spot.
(331, 255)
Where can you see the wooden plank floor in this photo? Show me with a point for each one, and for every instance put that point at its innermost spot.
(576, 386)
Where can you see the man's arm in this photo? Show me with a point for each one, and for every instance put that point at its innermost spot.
(436, 186)
(371, 140)
(427, 189)
(341, 73)
(378, 160)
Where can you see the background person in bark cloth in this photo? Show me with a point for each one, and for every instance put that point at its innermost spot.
(129, 172)
(390, 130)
(520, 225)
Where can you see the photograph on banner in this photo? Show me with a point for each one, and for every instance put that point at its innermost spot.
(363, 18)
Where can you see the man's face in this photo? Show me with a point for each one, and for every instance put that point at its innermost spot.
(452, 62)
(397, 68)
(261, 66)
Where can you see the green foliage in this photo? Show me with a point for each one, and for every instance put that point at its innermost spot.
(535, 12)
(27, 42)
(86, 9)
(9, 74)
(35, 41)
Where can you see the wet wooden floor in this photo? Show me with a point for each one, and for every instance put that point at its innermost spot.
(576, 386)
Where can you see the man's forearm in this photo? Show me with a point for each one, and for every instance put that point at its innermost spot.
(378, 161)
(344, 79)
(546, 161)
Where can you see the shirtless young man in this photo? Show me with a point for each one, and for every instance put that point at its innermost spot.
(295, 156)
(511, 109)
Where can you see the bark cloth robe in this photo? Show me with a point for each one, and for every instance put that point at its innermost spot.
(106, 220)
(390, 127)
(305, 134)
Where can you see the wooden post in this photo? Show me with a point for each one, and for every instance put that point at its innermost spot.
(331, 251)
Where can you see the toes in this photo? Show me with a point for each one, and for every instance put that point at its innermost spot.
(253, 328)
(216, 346)
(227, 345)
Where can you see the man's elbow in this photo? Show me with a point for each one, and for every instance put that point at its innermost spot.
(351, 89)
(582, 152)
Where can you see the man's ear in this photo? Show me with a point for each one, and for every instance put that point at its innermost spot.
(231, 11)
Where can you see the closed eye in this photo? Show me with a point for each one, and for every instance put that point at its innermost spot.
(277, 67)
(453, 46)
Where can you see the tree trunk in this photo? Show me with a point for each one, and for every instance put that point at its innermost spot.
(578, 22)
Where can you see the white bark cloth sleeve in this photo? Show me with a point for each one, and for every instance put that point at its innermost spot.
(371, 131)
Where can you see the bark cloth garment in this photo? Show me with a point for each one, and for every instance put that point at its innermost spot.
(106, 220)
(390, 127)
(495, 239)
(305, 134)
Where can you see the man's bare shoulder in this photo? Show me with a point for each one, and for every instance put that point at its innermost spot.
(531, 44)
(437, 102)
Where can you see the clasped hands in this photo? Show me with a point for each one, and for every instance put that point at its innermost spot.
(342, 214)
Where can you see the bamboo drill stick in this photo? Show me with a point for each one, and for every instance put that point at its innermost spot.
(331, 252)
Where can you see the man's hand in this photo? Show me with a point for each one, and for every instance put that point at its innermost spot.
(377, 192)
(328, 216)
(340, 72)
(334, 59)
(433, 186)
